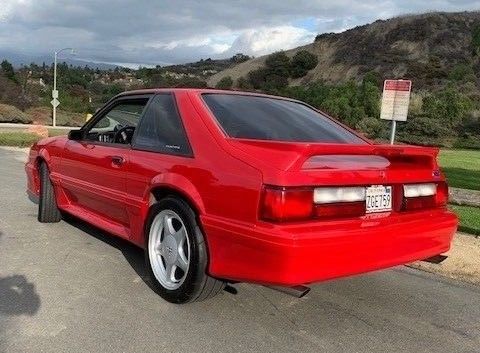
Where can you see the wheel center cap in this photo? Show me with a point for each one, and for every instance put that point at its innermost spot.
(170, 249)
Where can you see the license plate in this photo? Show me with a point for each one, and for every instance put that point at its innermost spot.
(378, 198)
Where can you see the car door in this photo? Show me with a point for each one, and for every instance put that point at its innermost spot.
(93, 167)
(160, 147)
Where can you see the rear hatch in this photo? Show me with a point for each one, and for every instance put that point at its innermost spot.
(304, 180)
(338, 164)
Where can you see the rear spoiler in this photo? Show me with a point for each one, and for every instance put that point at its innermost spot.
(426, 156)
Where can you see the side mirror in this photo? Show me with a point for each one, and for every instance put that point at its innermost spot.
(75, 135)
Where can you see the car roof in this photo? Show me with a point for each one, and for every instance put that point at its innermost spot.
(199, 91)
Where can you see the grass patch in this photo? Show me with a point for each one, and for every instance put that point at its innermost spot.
(462, 168)
(18, 139)
(463, 178)
(22, 138)
(469, 217)
(57, 132)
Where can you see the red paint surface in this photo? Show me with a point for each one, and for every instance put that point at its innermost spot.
(223, 182)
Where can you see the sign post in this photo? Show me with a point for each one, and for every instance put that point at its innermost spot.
(392, 132)
(395, 101)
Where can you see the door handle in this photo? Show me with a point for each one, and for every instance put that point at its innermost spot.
(117, 160)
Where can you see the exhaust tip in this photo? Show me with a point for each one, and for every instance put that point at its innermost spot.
(230, 289)
(436, 259)
(295, 291)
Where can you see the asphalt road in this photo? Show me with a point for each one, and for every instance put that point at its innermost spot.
(68, 287)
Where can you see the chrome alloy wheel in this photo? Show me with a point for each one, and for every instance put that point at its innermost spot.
(169, 249)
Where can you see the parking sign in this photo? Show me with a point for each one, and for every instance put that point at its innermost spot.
(395, 99)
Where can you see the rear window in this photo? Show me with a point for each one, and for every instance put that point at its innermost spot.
(263, 118)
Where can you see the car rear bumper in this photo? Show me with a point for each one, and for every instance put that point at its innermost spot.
(304, 253)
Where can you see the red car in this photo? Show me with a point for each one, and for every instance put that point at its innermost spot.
(222, 187)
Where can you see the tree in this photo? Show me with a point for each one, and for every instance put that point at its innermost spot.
(243, 83)
(278, 63)
(257, 77)
(370, 98)
(448, 107)
(476, 39)
(302, 62)
(7, 70)
(191, 82)
(225, 83)
(240, 58)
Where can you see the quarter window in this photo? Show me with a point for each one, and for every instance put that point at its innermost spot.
(161, 128)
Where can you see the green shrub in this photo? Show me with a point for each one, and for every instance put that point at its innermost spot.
(257, 77)
(225, 83)
(373, 128)
(476, 39)
(462, 72)
(278, 63)
(468, 142)
(243, 83)
(302, 62)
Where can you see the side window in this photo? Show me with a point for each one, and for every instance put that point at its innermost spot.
(161, 128)
(119, 123)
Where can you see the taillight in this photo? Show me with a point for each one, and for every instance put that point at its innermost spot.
(342, 209)
(442, 194)
(281, 204)
(284, 204)
(424, 196)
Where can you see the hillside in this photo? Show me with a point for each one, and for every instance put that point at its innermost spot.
(423, 47)
(205, 67)
(341, 74)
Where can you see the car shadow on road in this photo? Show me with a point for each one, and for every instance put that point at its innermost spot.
(133, 254)
(18, 297)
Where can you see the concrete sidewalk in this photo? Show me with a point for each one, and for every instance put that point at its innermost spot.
(26, 126)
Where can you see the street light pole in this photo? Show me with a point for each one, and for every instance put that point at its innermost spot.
(54, 114)
(55, 102)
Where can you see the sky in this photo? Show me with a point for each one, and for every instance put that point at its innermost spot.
(156, 32)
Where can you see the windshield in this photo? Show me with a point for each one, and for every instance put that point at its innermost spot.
(263, 118)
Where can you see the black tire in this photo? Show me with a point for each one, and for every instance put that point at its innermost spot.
(197, 285)
(48, 211)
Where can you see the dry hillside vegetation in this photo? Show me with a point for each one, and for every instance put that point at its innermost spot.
(426, 47)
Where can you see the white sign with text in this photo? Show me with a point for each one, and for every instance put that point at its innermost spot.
(395, 99)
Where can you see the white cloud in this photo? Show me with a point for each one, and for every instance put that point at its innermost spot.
(269, 39)
(9, 6)
(160, 31)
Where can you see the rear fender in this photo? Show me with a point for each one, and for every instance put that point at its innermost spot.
(181, 185)
(43, 155)
(175, 182)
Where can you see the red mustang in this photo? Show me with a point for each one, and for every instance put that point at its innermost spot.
(223, 187)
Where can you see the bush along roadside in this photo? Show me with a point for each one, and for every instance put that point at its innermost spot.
(18, 139)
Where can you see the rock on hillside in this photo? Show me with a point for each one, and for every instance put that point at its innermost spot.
(425, 47)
